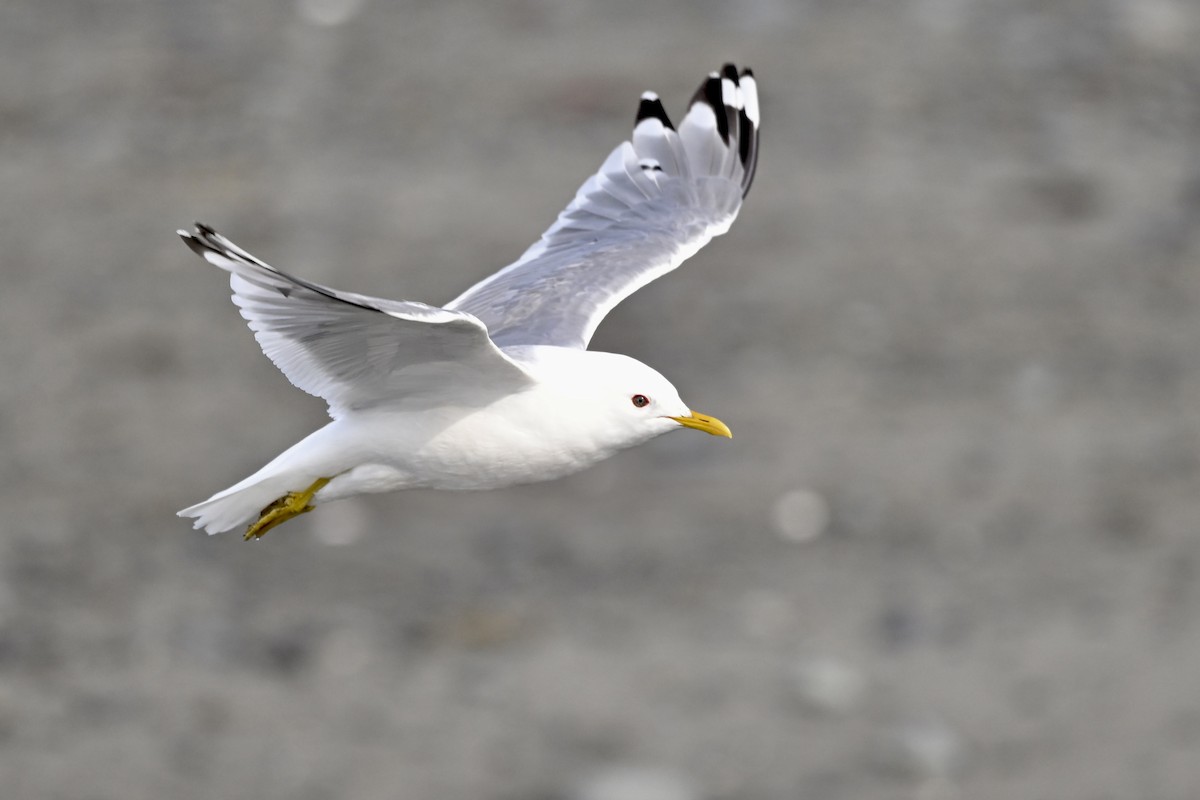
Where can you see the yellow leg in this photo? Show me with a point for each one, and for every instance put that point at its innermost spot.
(292, 504)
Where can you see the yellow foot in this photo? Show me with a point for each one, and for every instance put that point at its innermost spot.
(292, 504)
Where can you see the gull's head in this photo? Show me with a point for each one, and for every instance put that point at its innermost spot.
(628, 400)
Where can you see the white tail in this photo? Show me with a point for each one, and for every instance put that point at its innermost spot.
(291, 471)
(238, 505)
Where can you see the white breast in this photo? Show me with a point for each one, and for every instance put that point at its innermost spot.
(571, 418)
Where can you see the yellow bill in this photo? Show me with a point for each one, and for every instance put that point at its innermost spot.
(703, 422)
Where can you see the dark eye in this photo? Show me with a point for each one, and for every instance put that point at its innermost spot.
(640, 400)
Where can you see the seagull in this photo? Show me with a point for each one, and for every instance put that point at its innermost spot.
(497, 387)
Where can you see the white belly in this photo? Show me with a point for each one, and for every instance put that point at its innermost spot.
(453, 449)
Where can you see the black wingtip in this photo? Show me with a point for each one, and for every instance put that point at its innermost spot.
(710, 94)
(748, 135)
(194, 242)
(652, 108)
(747, 146)
(733, 119)
(201, 239)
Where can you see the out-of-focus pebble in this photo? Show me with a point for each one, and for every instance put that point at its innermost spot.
(828, 685)
(800, 515)
(628, 782)
(927, 749)
(1161, 25)
(328, 13)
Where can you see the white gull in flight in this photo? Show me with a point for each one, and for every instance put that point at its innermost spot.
(497, 387)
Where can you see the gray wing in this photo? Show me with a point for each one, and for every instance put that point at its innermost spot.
(357, 351)
(655, 201)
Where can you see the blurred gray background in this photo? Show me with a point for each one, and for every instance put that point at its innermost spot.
(951, 551)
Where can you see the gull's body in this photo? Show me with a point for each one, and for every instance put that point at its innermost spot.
(507, 441)
(497, 388)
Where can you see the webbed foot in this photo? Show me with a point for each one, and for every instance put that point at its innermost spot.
(292, 504)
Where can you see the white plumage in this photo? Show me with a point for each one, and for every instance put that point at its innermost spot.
(497, 387)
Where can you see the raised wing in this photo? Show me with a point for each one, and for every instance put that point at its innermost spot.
(655, 201)
(357, 351)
